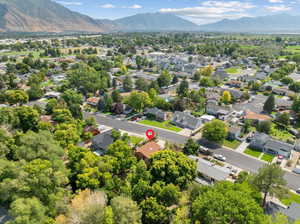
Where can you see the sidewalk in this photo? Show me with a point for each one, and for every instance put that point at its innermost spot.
(242, 147)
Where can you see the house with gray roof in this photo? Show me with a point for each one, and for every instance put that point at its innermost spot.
(210, 171)
(292, 212)
(186, 120)
(101, 142)
(157, 113)
(4, 216)
(266, 144)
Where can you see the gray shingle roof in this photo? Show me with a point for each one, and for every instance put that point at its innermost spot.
(186, 120)
(102, 141)
(207, 168)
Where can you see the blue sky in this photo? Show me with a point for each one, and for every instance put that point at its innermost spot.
(198, 11)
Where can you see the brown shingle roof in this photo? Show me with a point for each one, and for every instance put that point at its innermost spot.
(254, 116)
(148, 149)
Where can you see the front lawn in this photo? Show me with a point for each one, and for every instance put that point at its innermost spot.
(136, 140)
(231, 144)
(267, 157)
(291, 197)
(164, 125)
(252, 152)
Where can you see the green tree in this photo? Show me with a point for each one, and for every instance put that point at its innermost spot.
(183, 88)
(142, 84)
(127, 84)
(116, 96)
(269, 105)
(27, 118)
(138, 101)
(264, 126)
(40, 145)
(172, 167)
(215, 131)
(226, 202)
(124, 156)
(169, 195)
(164, 79)
(190, 147)
(125, 211)
(71, 97)
(270, 181)
(28, 211)
(16, 96)
(153, 213)
(284, 119)
(35, 92)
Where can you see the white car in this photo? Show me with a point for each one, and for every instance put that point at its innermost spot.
(220, 157)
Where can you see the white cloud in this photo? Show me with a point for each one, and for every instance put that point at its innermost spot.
(212, 11)
(69, 3)
(276, 1)
(107, 6)
(278, 8)
(135, 6)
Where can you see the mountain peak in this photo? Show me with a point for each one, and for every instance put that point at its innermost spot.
(43, 16)
(155, 22)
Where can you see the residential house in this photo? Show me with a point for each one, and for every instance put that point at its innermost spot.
(249, 115)
(146, 151)
(292, 212)
(186, 120)
(265, 143)
(157, 113)
(281, 91)
(210, 172)
(234, 132)
(234, 84)
(4, 216)
(295, 77)
(212, 108)
(52, 94)
(101, 142)
(207, 118)
(283, 104)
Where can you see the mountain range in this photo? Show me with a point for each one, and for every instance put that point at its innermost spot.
(48, 16)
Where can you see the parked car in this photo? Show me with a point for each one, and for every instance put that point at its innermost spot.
(220, 157)
(205, 151)
(279, 159)
(297, 170)
(298, 191)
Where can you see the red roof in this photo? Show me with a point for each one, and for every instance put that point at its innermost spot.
(148, 149)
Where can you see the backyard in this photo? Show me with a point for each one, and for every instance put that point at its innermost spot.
(164, 125)
(136, 140)
(281, 134)
(231, 144)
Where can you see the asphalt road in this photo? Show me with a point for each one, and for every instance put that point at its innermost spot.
(234, 158)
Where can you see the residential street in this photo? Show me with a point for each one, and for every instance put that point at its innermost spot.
(237, 159)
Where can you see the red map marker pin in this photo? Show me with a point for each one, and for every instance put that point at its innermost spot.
(150, 134)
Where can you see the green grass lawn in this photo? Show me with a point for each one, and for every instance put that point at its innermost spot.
(233, 70)
(252, 152)
(293, 49)
(267, 157)
(136, 140)
(18, 53)
(291, 197)
(165, 125)
(231, 144)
